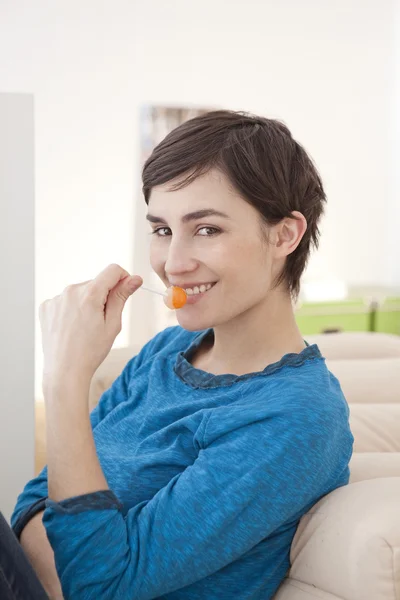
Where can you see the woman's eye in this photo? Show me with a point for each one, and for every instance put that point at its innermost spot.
(157, 231)
(213, 230)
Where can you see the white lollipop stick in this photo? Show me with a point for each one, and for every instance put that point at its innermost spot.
(142, 287)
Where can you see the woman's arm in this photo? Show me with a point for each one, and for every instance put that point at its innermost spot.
(259, 469)
(41, 556)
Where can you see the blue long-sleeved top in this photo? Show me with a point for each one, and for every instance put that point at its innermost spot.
(209, 476)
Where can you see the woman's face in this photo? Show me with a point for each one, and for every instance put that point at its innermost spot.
(226, 250)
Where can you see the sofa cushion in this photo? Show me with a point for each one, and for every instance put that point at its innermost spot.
(348, 543)
(356, 344)
(373, 465)
(376, 427)
(368, 380)
(291, 589)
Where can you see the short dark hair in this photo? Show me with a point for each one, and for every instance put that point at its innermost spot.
(270, 170)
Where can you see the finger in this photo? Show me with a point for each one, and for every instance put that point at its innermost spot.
(107, 279)
(117, 299)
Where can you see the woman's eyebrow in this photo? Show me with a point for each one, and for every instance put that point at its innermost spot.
(193, 216)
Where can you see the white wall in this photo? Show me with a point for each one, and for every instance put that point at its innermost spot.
(16, 297)
(393, 213)
(326, 68)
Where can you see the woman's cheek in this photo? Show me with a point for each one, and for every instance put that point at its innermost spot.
(156, 260)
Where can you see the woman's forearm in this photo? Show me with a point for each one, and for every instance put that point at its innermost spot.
(73, 467)
(41, 556)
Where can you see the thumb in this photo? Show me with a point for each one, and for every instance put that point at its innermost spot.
(118, 296)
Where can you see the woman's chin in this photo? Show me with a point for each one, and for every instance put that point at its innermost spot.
(192, 323)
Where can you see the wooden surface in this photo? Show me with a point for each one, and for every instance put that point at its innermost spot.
(40, 437)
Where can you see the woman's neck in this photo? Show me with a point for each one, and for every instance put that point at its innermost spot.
(255, 339)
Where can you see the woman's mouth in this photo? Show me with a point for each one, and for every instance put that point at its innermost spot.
(195, 294)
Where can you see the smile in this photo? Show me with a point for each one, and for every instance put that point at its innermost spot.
(199, 290)
(195, 296)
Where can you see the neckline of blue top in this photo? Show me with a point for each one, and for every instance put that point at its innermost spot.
(197, 378)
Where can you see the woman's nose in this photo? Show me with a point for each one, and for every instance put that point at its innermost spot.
(179, 259)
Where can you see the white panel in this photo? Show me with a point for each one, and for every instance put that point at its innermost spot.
(16, 297)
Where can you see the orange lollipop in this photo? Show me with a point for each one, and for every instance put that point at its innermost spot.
(175, 297)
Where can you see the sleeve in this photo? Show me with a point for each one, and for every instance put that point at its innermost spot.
(32, 499)
(244, 484)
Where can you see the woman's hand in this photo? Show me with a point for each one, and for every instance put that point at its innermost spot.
(80, 325)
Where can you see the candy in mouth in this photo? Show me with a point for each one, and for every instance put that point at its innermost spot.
(175, 297)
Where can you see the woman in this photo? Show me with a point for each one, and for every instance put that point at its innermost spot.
(223, 431)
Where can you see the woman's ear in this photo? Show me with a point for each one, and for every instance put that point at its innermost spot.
(288, 233)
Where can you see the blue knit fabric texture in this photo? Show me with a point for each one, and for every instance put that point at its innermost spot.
(209, 476)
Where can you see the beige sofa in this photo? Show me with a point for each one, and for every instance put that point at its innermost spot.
(348, 546)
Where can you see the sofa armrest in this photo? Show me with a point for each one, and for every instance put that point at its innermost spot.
(348, 544)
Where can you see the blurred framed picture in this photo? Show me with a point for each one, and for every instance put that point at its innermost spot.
(157, 121)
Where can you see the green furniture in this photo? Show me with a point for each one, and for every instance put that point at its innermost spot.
(373, 309)
(388, 316)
